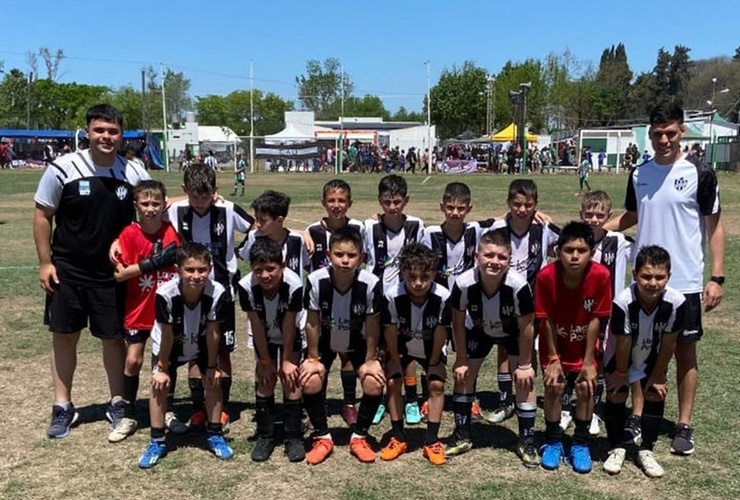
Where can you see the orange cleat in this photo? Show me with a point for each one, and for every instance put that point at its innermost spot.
(393, 450)
(320, 451)
(435, 453)
(360, 448)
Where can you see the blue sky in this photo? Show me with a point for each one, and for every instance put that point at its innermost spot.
(382, 44)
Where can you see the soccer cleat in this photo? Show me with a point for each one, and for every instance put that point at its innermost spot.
(126, 427)
(476, 416)
(294, 450)
(425, 411)
(360, 448)
(349, 414)
(198, 421)
(594, 429)
(174, 424)
(527, 452)
(225, 422)
(565, 419)
(412, 413)
(218, 445)
(114, 413)
(263, 449)
(379, 414)
(61, 421)
(153, 452)
(580, 458)
(320, 451)
(633, 430)
(504, 412)
(393, 450)
(648, 464)
(458, 446)
(615, 461)
(435, 453)
(552, 455)
(683, 440)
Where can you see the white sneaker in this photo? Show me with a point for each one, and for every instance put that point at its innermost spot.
(565, 419)
(650, 466)
(174, 424)
(594, 428)
(124, 429)
(615, 461)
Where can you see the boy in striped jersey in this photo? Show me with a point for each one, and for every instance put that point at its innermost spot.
(342, 303)
(416, 315)
(493, 306)
(272, 296)
(646, 320)
(336, 200)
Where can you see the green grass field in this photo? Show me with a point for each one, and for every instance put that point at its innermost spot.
(85, 465)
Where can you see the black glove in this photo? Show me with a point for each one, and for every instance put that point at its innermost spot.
(164, 257)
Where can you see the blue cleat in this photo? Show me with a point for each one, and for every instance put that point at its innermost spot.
(152, 454)
(580, 458)
(552, 455)
(218, 445)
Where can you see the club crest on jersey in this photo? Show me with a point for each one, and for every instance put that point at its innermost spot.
(680, 184)
(660, 327)
(358, 308)
(588, 304)
(219, 228)
(608, 258)
(507, 311)
(282, 307)
(431, 322)
(536, 248)
(121, 192)
(293, 264)
(146, 282)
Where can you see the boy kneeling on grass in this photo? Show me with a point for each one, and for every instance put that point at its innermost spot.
(187, 312)
(272, 296)
(573, 300)
(646, 320)
(342, 303)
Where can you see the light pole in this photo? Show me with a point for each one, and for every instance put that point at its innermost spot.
(490, 89)
(711, 120)
(523, 89)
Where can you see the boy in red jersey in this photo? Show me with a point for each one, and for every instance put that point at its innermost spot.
(573, 301)
(147, 259)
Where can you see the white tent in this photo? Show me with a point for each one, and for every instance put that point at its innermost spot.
(292, 132)
(215, 133)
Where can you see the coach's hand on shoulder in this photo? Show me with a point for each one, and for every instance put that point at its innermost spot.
(712, 296)
(48, 277)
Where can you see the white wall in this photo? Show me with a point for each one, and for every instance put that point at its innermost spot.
(417, 137)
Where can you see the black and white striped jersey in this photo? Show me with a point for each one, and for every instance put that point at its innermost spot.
(416, 324)
(646, 329)
(614, 251)
(495, 316)
(383, 247)
(295, 254)
(215, 229)
(320, 235)
(342, 314)
(271, 310)
(188, 323)
(93, 205)
(455, 257)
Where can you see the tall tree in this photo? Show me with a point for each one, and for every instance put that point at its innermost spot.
(679, 73)
(510, 79)
(458, 100)
(367, 106)
(323, 86)
(233, 111)
(52, 61)
(613, 82)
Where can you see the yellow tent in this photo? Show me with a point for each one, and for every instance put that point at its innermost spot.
(510, 134)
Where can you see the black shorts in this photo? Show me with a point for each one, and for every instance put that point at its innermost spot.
(70, 307)
(137, 336)
(201, 360)
(423, 362)
(480, 345)
(357, 357)
(693, 330)
(227, 325)
(275, 351)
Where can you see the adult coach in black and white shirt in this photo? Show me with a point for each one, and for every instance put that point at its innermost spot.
(674, 200)
(87, 197)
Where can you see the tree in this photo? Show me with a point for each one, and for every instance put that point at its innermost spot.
(233, 111)
(613, 82)
(679, 73)
(52, 62)
(62, 105)
(177, 98)
(13, 99)
(368, 106)
(458, 100)
(736, 57)
(322, 88)
(509, 80)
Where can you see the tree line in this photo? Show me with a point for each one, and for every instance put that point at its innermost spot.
(564, 93)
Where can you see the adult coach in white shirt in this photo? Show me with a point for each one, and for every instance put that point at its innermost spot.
(674, 200)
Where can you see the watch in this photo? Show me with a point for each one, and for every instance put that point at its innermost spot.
(720, 280)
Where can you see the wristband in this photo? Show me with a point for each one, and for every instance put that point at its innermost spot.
(163, 366)
(620, 374)
(553, 357)
(265, 361)
(312, 360)
(524, 367)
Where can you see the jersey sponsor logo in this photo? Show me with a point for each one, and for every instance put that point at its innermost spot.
(680, 184)
(576, 334)
(588, 304)
(646, 344)
(607, 258)
(121, 192)
(84, 188)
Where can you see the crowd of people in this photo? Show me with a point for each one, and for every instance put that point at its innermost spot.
(386, 296)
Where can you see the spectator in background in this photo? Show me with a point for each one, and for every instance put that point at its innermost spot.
(602, 159)
(211, 161)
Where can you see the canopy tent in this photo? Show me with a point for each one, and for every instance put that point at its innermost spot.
(290, 134)
(510, 134)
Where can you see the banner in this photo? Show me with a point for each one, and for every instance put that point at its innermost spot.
(459, 166)
(302, 151)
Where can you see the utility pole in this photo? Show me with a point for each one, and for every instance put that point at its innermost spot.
(429, 114)
(28, 100)
(165, 152)
(143, 100)
(251, 117)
